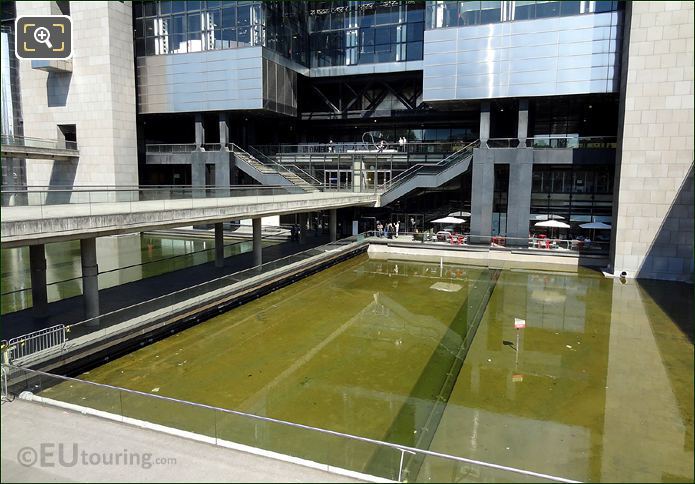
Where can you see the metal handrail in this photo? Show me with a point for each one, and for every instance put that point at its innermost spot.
(282, 170)
(29, 142)
(170, 148)
(313, 181)
(399, 447)
(553, 141)
(163, 259)
(133, 194)
(344, 147)
(416, 168)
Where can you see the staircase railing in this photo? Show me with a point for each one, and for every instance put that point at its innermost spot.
(430, 168)
(292, 168)
(281, 169)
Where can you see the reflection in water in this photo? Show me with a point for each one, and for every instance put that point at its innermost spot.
(597, 387)
(121, 259)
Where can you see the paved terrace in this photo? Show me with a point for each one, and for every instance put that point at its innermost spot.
(30, 225)
(173, 459)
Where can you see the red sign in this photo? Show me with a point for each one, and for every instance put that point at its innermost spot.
(519, 323)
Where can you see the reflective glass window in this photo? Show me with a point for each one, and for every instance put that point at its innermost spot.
(490, 12)
(524, 10)
(178, 6)
(244, 16)
(192, 5)
(194, 22)
(164, 7)
(149, 9)
(569, 8)
(229, 17)
(547, 9)
(177, 25)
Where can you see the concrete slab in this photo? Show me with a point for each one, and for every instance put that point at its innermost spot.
(26, 426)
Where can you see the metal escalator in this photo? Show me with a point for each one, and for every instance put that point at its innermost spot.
(428, 175)
(268, 172)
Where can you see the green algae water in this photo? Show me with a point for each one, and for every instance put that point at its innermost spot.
(121, 259)
(597, 387)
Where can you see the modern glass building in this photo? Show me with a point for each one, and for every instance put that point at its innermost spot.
(541, 88)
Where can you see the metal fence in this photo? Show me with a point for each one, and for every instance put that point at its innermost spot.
(20, 349)
(352, 147)
(221, 426)
(555, 142)
(57, 195)
(42, 143)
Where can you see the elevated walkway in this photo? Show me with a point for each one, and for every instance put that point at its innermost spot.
(38, 148)
(428, 175)
(29, 225)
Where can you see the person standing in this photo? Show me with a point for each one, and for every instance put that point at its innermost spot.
(397, 228)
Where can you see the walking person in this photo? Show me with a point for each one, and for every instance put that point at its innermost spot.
(397, 228)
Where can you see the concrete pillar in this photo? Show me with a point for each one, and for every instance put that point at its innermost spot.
(519, 197)
(523, 122)
(333, 224)
(198, 173)
(257, 244)
(219, 245)
(224, 130)
(357, 170)
(199, 130)
(222, 172)
(37, 265)
(90, 279)
(303, 217)
(484, 122)
(483, 184)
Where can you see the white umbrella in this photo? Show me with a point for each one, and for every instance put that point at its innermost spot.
(596, 226)
(448, 220)
(552, 224)
(460, 214)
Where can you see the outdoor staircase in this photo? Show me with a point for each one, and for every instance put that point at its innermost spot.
(428, 175)
(272, 173)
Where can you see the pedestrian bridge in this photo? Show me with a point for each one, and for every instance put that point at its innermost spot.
(101, 212)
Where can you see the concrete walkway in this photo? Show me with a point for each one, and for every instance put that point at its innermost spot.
(67, 311)
(26, 426)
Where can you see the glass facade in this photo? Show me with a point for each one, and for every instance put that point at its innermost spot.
(315, 34)
(441, 14)
(345, 33)
(578, 193)
(174, 27)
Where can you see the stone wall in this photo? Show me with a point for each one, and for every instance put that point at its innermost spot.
(653, 232)
(98, 97)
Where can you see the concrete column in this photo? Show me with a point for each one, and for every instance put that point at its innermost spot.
(199, 130)
(519, 197)
(219, 245)
(257, 244)
(222, 172)
(198, 173)
(303, 217)
(224, 130)
(484, 122)
(90, 280)
(483, 184)
(333, 224)
(523, 122)
(357, 169)
(37, 265)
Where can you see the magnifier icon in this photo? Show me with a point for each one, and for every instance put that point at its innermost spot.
(43, 36)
